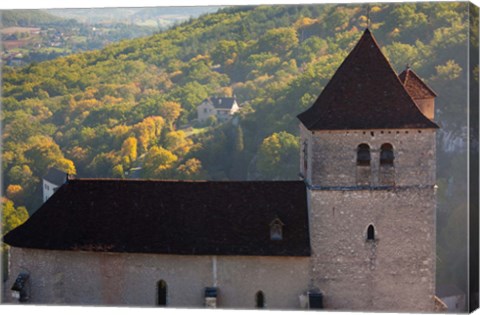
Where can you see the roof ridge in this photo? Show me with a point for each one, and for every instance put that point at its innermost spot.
(141, 180)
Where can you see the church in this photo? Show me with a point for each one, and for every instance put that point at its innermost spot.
(356, 232)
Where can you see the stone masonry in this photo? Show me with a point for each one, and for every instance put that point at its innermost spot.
(396, 270)
(93, 278)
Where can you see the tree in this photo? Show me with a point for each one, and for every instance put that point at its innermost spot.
(157, 161)
(43, 153)
(11, 216)
(15, 192)
(311, 48)
(129, 148)
(239, 145)
(177, 142)
(80, 156)
(65, 165)
(278, 40)
(20, 175)
(304, 22)
(448, 72)
(148, 132)
(278, 156)
(118, 172)
(225, 51)
(191, 169)
(102, 164)
(170, 111)
(190, 95)
(401, 55)
(211, 121)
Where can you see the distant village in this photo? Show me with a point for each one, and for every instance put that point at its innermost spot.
(23, 45)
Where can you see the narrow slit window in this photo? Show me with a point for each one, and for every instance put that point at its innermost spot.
(161, 293)
(305, 157)
(260, 300)
(363, 155)
(386, 154)
(370, 233)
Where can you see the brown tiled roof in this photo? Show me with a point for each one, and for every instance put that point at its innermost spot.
(189, 218)
(415, 86)
(364, 93)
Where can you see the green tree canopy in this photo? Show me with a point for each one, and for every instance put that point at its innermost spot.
(277, 156)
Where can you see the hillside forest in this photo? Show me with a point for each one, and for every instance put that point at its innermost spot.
(128, 110)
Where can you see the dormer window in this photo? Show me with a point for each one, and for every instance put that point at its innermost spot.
(276, 230)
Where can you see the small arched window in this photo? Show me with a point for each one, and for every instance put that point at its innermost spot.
(161, 293)
(363, 155)
(260, 300)
(370, 233)
(386, 154)
(276, 230)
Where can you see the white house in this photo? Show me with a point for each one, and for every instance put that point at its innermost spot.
(52, 181)
(221, 107)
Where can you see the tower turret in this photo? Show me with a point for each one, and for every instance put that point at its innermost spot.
(420, 92)
(368, 160)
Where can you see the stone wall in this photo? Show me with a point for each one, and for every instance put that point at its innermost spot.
(394, 272)
(333, 156)
(89, 278)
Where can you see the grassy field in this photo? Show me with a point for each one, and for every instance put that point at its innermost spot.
(17, 29)
(194, 131)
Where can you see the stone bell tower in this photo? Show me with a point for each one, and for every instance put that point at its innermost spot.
(368, 161)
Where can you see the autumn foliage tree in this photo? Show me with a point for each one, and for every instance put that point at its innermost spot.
(129, 149)
(15, 193)
(277, 156)
(157, 162)
(11, 218)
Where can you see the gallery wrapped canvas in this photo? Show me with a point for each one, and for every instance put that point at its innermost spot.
(283, 157)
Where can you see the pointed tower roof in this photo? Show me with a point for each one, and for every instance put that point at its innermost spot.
(415, 86)
(364, 93)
